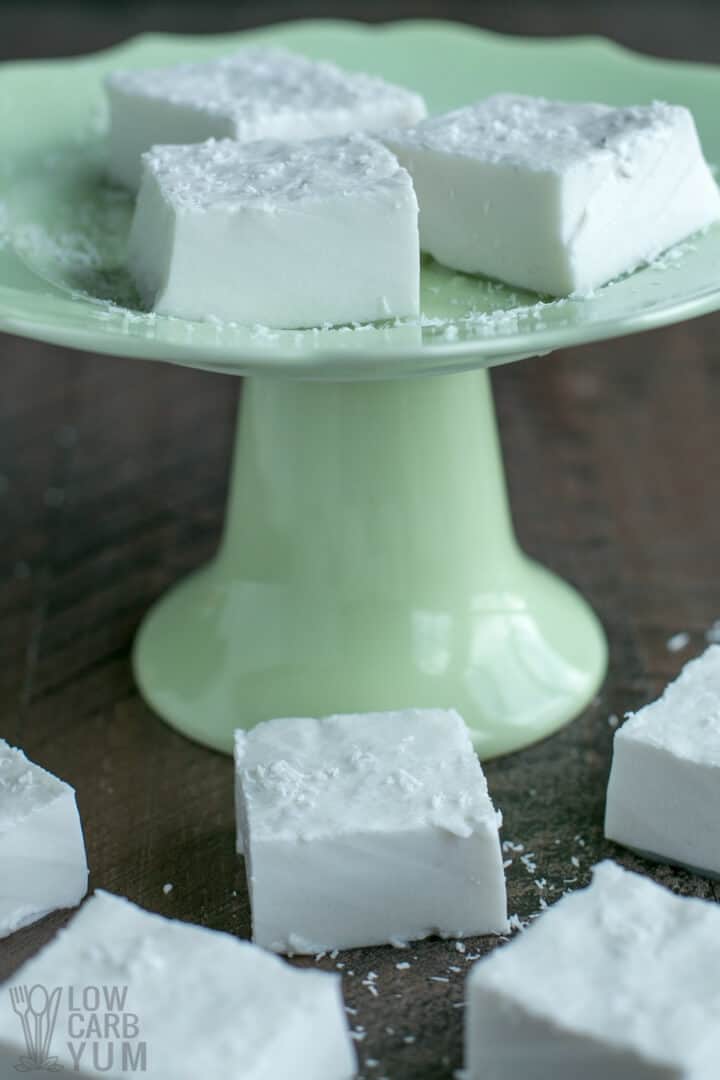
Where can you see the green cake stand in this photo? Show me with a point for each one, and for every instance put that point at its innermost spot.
(368, 560)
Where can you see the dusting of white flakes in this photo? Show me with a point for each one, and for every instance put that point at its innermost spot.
(528, 862)
(270, 175)
(508, 845)
(678, 642)
(499, 320)
(74, 249)
(263, 333)
(255, 87)
(685, 719)
(542, 135)
(24, 786)
(373, 774)
(670, 259)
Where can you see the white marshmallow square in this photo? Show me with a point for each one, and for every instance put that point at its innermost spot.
(256, 93)
(138, 994)
(553, 196)
(43, 866)
(618, 980)
(364, 830)
(280, 234)
(663, 797)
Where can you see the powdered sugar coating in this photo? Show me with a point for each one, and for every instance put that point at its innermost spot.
(685, 720)
(308, 778)
(541, 135)
(258, 83)
(225, 174)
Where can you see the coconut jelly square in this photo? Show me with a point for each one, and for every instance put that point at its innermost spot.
(663, 797)
(617, 980)
(277, 234)
(367, 829)
(553, 196)
(256, 93)
(130, 993)
(43, 865)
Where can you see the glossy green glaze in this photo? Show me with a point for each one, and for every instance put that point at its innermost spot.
(369, 563)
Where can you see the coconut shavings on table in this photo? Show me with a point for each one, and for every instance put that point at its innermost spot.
(678, 641)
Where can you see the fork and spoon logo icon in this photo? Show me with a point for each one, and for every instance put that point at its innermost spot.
(37, 1009)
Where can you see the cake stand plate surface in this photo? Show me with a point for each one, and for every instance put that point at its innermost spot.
(368, 559)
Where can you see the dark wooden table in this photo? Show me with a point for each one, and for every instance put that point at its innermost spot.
(112, 480)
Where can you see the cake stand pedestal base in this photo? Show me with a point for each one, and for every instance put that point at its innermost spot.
(369, 563)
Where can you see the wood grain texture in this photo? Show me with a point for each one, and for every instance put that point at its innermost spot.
(112, 482)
